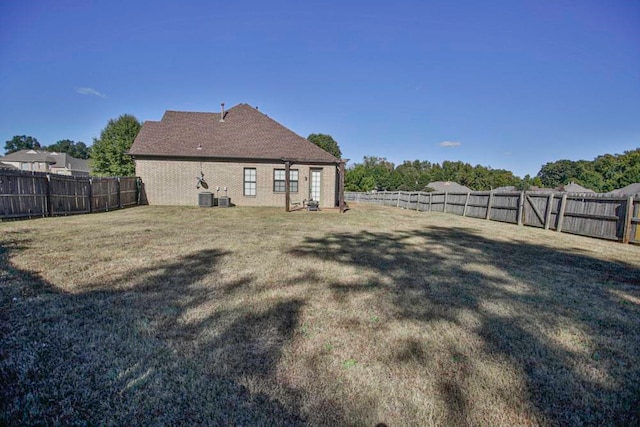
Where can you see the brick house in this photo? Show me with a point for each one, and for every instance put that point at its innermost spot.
(241, 150)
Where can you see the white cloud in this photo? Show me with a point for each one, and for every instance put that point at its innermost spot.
(450, 144)
(90, 91)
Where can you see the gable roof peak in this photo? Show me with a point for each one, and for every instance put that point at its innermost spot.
(245, 133)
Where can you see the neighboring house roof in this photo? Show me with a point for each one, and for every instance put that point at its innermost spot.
(449, 186)
(63, 160)
(245, 133)
(29, 156)
(629, 190)
(505, 189)
(535, 189)
(572, 187)
(55, 160)
(7, 166)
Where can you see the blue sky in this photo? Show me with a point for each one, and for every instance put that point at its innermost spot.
(508, 84)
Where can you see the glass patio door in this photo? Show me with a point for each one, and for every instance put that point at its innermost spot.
(316, 184)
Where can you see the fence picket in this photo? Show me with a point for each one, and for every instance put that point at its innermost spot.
(601, 216)
(28, 194)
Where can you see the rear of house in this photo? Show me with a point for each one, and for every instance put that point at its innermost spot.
(241, 153)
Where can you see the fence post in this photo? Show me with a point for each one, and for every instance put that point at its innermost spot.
(520, 207)
(49, 206)
(547, 218)
(90, 195)
(119, 196)
(628, 216)
(398, 200)
(418, 203)
(489, 202)
(563, 207)
(466, 202)
(444, 209)
(430, 201)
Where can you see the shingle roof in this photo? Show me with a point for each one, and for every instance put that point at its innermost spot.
(505, 189)
(629, 190)
(448, 186)
(64, 160)
(59, 160)
(29, 156)
(572, 187)
(246, 133)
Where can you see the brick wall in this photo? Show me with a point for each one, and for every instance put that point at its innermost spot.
(169, 182)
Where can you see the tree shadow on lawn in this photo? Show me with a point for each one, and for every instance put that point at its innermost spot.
(143, 349)
(524, 296)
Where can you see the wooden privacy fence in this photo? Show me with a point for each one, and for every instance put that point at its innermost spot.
(26, 194)
(604, 217)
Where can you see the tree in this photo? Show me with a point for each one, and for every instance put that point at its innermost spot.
(327, 143)
(79, 150)
(605, 173)
(560, 172)
(21, 142)
(108, 153)
(375, 173)
(357, 179)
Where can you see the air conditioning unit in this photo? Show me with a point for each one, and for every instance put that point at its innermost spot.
(224, 202)
(205, 199)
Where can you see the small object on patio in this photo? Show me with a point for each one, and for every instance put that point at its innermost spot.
(312, 205)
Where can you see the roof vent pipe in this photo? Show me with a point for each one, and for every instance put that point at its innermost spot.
(222, 113)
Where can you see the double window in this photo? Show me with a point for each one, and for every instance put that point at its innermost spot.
(279, 176)
(249, 181)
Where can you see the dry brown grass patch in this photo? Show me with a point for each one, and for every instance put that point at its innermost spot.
(162, 315)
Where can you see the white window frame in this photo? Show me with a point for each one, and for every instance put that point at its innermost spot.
(279, 179)
(250, 182)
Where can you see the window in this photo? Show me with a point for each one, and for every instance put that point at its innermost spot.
(26, 166)
(249, 181)
(279, 178)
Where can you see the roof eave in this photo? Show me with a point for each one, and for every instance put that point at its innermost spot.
(233, 159)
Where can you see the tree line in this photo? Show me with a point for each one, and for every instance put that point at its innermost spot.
(603, 174)
(107, 153)
(377, 173)
(79, 150)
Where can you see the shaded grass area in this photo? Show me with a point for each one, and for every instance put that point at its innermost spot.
(254, 316)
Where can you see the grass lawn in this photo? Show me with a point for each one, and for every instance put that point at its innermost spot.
(252, 316)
